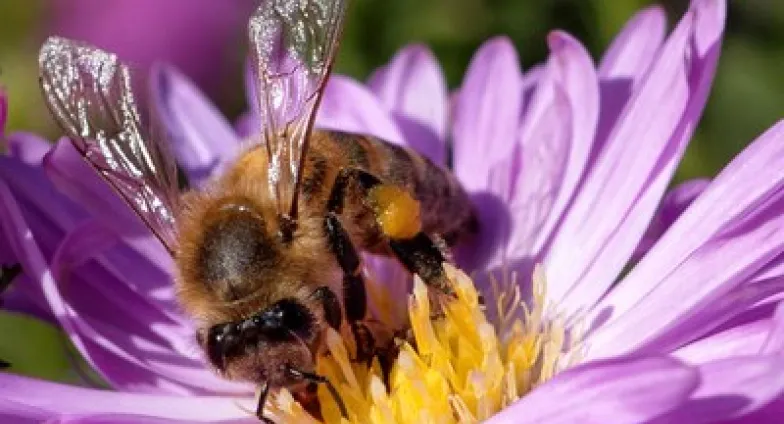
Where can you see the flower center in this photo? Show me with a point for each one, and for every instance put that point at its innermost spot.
(457, 368)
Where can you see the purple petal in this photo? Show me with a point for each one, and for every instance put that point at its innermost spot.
(19, 413)
(99, 309)
(618, 391)
(202, 139)
(247, 125)
(572, 69)
(57, 400)
(27, 147)
(729, 389)
(349, 106)
(625, 65)
(728, 234)
(716, 315)
(634, 48)
(72, 176)
(486, 112)
(412, 84)
(742, 340)
(775, 341)
(672, 206)
(46, 208)
(251, 93)
(421, 138)
(622, 191)
(543, 163)
(137, 419)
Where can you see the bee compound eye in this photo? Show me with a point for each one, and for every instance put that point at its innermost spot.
(295, 317)
(215, 346)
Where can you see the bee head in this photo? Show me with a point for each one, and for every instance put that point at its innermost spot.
(279, 334)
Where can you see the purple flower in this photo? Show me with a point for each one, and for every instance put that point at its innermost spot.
(568, 164)
(192, 34)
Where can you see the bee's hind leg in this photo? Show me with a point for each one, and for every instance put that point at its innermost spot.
(397, 216)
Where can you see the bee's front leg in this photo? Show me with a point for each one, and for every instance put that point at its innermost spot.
(263, 393)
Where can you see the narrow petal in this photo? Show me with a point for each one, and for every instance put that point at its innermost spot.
(737, 216)
(71, 175)
(113, 418)
(486, 112)
(349, 106)
(412, 84)
(251, 92)
(624, 66)
(618, 391)
(247, 125)
(98, 312)
(421, 138)
(672, 206)
(623, 190)
(775, 342)
(543, 163)
(573, 70)
(27, 147)
(202, 139)
(634, 48)
(742, 340)
(58, 400)
(19, 413)
(731, 388)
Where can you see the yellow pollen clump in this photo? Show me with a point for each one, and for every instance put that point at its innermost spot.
(396, 211)
(459, 367)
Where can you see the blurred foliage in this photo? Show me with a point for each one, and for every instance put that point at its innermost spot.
(745, 98)
(39, 349)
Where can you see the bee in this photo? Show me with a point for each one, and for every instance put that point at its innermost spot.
(267, 254)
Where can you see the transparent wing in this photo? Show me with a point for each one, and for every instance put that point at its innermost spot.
(293, 44)
(89, 93)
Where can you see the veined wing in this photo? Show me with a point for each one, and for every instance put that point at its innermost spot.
(293, 45)
(89, 93)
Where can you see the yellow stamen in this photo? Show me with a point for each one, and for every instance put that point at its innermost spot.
(459, 368)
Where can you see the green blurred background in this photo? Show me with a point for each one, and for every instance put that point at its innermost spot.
(746, 99)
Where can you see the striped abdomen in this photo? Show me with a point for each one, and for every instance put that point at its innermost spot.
(445, 206)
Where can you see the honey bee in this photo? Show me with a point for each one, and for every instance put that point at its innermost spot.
(267, 255)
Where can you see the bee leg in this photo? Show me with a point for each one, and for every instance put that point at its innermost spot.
(4, 364)
(415, 249)
(331, 304)
(319, 379)
(263, 392)
(354, 294)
